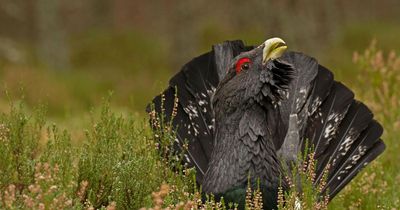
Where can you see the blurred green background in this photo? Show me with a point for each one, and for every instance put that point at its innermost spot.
(70, 53)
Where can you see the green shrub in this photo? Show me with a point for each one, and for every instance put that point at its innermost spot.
(118, 164)
(19, 136)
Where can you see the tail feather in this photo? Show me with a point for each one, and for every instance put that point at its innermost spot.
(323, 124)
(356, 120)
(322, 86)
(321, 89)
(370, 155)
(365, 142)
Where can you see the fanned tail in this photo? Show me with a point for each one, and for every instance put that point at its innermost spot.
(366, 148)
(341, 130)
(323, 114)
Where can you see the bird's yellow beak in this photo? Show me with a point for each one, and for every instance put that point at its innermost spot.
(273, 48)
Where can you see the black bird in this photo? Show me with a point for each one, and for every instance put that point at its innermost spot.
(249, 111)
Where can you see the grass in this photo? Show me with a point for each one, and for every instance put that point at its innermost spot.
(377, 85)
(108, 159)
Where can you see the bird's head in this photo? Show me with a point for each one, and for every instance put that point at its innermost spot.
(258, 75)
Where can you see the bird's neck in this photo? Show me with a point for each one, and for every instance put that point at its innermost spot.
(243, 148)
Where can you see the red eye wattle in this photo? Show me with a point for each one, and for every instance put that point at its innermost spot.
(242, 64)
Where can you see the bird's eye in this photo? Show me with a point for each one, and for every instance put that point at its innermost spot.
(242, 64)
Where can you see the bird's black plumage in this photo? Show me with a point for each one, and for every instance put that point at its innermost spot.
(252, 122)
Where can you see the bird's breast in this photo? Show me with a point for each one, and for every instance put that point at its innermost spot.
(243, 149)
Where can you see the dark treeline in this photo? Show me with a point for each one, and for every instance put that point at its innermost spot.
(47, 27)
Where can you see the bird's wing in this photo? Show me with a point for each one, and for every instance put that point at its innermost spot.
(295, 107)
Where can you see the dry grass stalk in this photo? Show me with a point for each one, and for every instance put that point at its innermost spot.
(82, 190)
(312, 198)
(44, 193)
(158, 201)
